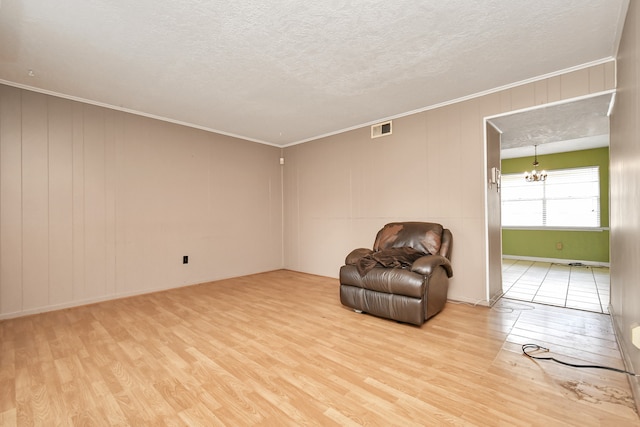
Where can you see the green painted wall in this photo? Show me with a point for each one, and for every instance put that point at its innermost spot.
(575, 245)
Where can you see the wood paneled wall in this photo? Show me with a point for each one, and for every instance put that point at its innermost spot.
(624, 166)
(96, 203)
(340, 190)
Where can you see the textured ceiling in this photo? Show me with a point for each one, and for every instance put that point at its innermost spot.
(287, 71)
(580, 124)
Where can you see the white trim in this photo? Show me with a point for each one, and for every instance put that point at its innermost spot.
(105, 298)
(476, 95)
(624, 9)
(594, 229)
(79, 303)
(556, 260)
(612, 104)
(135, 112)
(618, 329)
(553, 104)
(487, 260)
(313, 138)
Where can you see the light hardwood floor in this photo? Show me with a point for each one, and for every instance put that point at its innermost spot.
(278, 349)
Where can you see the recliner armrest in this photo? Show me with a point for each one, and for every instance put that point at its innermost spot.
(356, 254)
(426, 265)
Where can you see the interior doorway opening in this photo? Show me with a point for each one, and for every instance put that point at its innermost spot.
(549, 264)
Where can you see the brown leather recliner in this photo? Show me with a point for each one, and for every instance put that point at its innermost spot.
(406, 275)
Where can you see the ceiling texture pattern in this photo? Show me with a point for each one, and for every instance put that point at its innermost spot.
(286, 71)
(570, 126)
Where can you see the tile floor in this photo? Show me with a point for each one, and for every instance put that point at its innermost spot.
(579, 287)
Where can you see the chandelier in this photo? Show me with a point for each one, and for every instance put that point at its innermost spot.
(535, 175)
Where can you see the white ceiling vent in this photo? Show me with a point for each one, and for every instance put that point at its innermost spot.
(381, 129)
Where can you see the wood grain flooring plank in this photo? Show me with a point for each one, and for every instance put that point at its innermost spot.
(107, 401)
(342, 419)
(238, 407)
(278, 348)
(7, 394)
(9, 418)
(555, 393)
(200, 416)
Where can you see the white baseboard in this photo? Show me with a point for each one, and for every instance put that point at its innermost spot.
(634, 383)
(88, 301)
(557, 260)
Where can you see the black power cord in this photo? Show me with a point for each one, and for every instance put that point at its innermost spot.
(535, 347)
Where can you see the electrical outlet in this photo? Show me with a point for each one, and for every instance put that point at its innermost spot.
(185, 259)
(635, 336)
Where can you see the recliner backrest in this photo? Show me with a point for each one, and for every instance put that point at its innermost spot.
(422, 236)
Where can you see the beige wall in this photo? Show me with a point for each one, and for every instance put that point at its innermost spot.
(96, 204)
(340, 190)
(624, 157)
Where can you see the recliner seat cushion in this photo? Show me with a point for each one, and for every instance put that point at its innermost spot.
(397, 281)
(391, 258)
(397, 307)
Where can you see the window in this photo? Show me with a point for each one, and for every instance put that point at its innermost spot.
(568, 198)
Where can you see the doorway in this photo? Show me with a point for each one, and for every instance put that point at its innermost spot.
(546, 262)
